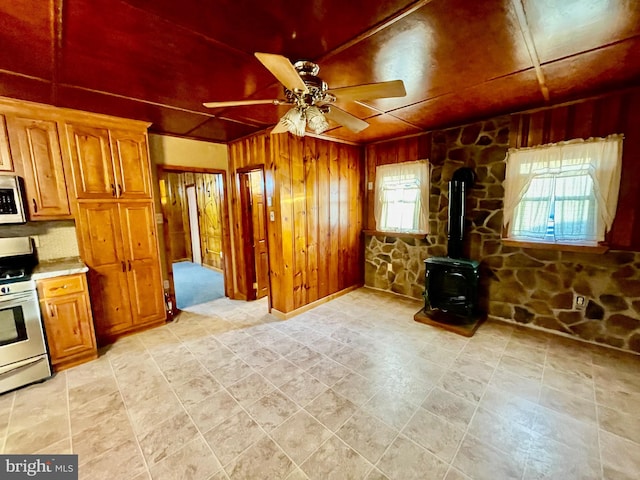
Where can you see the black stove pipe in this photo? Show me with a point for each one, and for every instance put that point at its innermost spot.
(462, 179)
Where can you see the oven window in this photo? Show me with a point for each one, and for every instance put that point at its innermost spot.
(12, 327)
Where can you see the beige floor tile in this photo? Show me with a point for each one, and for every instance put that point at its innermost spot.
(510, 406)
(272, 409)
(250, 389)
(517, 385)
(122, 461)
(213, 410)
(194, 461)
(328, 371)
(566, 429)
(303, 389)
(404, 460)
(300, 436)
(482, 461)
(620, 457)
(463, 386)
(102, 437)
(434, 433)
(197, 388)
(35, 437)
(622, 424)
(167, 437)
(281, 372)
(96, 412)
(577, 383)
(548, 459)
(367, 435)
(472, 368)
(391, 409)
(356, 388)
(451, 407)
(81, 394)
(331, 409)
(264, 459)
(526, 369)
(568, 404)
(233, 436)
(335, 460)
(259, 358)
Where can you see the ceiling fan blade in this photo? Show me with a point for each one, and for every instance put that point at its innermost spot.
(393, 88)
(283, 70)
(346, 119)
(237, 103)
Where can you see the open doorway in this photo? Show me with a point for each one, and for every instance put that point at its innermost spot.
(196, 233)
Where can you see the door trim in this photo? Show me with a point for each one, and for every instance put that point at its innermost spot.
(228, 268)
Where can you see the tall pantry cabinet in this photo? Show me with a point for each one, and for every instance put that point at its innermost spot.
(116, 228)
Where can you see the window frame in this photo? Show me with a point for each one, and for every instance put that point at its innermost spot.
(421, 169)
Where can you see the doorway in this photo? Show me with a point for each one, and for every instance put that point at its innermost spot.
(196, 234)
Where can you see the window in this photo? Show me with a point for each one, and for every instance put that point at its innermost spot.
(402, 197)
(563, 193)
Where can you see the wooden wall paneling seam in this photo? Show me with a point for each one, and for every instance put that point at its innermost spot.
(311, 183)
(334, 218)
(298, 192)
(324, 199)
(6, 160)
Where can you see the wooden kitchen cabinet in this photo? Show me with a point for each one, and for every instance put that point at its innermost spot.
(109, 163)
(118, 243)
(36, 149)
(6, 163)
(66, 311)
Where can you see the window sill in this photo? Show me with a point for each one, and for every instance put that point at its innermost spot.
(602, 248)
(394, 234)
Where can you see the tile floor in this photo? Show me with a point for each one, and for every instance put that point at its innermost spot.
(351, 389)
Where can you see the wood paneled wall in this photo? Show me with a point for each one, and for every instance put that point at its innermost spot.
(616, 113)
(393, 151)
(316, 192)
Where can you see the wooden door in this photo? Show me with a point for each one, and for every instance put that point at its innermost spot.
(102, 250)
(210, 195)
(6, 163)
(37, 144)
(174, 206)
(131, 162)
(259, 233)
(91, 162)
(143, 267)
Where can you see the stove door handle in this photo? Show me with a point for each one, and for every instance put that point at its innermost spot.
(12, 369)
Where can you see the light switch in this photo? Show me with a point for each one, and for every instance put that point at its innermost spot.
(370, 185)
(159, 218)
(272, 216)
(269, 202)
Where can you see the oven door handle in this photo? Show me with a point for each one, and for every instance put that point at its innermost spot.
(17, 366)
(16, 298)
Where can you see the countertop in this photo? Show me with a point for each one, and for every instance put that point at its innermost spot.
(58, 268)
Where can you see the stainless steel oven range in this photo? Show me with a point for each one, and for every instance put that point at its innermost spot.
(24, 358)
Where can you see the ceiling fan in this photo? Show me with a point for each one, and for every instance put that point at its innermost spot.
(311, 99)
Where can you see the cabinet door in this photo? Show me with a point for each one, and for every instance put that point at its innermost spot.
(101, 249)
(6, 164)
(143, 266)
(131, 161)
(36, 144)
(93, 173)
(69, 326)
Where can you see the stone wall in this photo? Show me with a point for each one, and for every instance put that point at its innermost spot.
(534, 287)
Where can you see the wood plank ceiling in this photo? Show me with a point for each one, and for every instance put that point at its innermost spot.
(461, 60)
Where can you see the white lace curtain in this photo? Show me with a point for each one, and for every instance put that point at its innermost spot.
(568, 169)
(402, 197)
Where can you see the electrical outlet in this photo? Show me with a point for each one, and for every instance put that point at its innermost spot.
(389, 267)
(579, 302)
(165, 284)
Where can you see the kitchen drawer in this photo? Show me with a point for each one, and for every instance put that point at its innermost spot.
(56, 287)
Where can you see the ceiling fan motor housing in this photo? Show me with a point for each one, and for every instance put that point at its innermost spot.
(317, 87)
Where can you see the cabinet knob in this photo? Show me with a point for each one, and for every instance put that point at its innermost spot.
(113, 190)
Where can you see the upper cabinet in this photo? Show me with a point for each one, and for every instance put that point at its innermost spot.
(6, 164)
(36, 148)
(109, 163)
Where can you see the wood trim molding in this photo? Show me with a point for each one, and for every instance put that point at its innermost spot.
(597, 249)
(286, 316)
(378, 233)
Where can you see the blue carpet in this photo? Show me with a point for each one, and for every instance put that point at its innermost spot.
(195, 284)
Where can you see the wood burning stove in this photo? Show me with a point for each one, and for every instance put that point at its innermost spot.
(451, 282)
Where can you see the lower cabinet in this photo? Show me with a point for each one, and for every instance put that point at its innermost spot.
(118, 244)
(66, 311)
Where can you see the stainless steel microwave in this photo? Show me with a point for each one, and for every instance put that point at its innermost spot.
(11, 206)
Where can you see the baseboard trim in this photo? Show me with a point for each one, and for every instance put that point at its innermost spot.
(286, 316)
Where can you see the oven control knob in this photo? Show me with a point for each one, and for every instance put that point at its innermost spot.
(4, 289)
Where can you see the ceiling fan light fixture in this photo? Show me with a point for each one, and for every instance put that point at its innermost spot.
(294, 121)
(316, 120)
